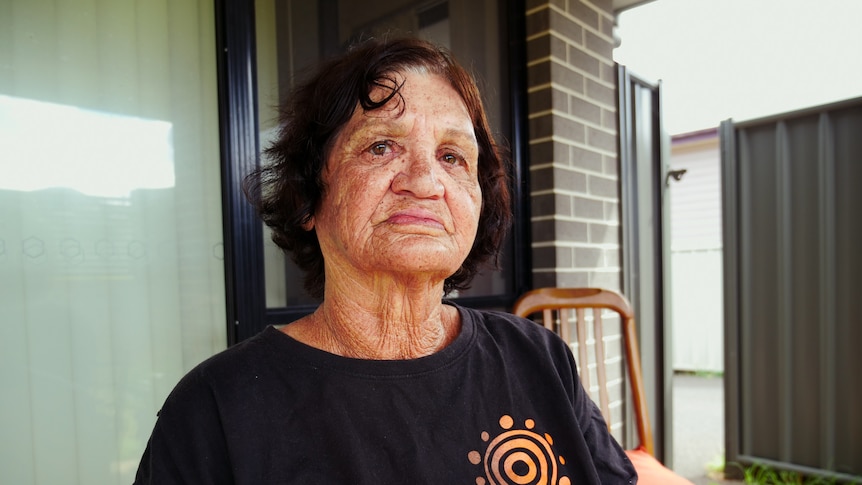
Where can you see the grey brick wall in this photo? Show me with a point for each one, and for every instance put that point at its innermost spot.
(574, 173)
(573, 148)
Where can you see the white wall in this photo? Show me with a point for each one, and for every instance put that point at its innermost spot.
(696, 255)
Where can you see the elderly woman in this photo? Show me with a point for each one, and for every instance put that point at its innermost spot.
(386, 187)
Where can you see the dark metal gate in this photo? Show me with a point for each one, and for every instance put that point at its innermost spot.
(793, 290)
(643, 154)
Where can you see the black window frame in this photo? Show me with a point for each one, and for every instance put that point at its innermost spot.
(246, 312)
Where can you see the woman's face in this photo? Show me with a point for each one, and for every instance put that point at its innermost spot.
(402, 195)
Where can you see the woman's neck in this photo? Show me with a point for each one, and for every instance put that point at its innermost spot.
(383, 321)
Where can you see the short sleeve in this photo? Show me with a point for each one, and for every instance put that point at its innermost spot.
(187, 445)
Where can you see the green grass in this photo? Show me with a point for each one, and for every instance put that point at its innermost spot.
(700, 373)
(759, 474)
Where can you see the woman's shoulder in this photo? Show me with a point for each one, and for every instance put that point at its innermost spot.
(529, 347)
(503, 327)
(239, 362)
(501, 321)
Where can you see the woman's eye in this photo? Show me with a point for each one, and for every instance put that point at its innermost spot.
(451, 159)
(379, 148)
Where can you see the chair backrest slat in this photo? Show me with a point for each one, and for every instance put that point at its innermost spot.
(560, 300)
(548, 319)
(583, 360)
(565, 320)
(598, 336)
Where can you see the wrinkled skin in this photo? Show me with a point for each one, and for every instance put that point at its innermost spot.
(399, 215)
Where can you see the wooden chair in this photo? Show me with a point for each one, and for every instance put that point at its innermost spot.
(557, 306)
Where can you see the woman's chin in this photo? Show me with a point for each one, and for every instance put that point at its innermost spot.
(417, 263)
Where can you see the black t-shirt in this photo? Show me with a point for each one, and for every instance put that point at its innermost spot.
(501, 404)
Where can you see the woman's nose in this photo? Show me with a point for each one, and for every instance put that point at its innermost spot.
(419, 177)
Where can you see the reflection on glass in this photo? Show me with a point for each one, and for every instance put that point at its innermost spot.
(95, 153)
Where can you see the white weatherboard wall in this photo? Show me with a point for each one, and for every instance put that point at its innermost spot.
(696, 254)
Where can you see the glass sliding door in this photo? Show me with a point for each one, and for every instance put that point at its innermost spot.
(111, 257)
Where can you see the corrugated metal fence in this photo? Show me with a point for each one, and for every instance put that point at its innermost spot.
(792, 206)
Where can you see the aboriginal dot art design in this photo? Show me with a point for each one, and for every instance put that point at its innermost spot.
(518, 456)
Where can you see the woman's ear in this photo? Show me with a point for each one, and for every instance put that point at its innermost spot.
(308, 225)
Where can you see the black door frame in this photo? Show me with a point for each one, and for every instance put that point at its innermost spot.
(243, 236)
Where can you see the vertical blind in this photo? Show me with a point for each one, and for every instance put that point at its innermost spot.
(111, 273)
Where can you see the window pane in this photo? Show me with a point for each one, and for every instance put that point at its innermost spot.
(111, 272)
(294, 35)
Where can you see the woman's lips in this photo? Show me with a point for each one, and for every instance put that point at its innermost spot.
(416, 217)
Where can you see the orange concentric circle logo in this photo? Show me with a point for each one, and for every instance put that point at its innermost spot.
(518, 457)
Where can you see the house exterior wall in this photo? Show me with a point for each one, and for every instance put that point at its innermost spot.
(574, 171)
(696, 253)
(575, 221)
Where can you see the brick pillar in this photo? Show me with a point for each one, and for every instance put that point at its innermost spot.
(574, 171)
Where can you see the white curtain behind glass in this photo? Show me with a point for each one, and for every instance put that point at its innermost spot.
(111, 273)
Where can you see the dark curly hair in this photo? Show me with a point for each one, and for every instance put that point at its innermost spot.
(288, 190)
